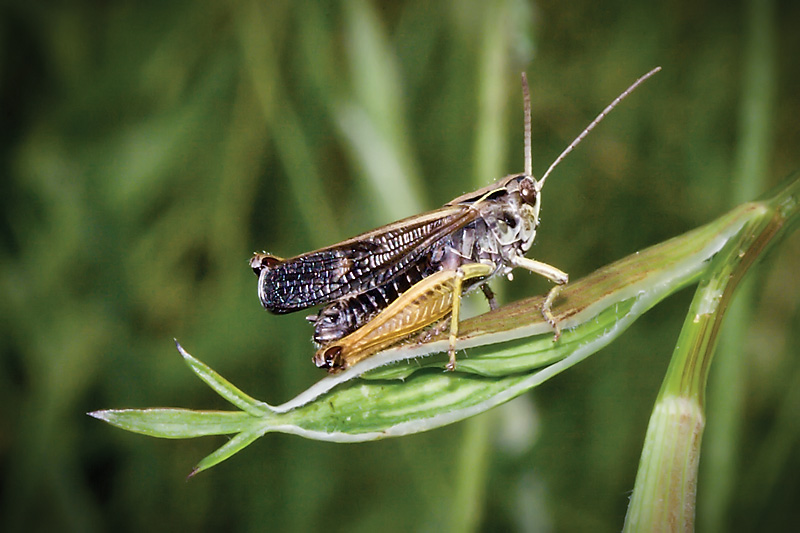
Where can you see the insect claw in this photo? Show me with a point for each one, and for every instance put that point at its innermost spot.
(451, 365)
(547, 312)
(550, 319)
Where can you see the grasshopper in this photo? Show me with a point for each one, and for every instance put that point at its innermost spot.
(382, 286)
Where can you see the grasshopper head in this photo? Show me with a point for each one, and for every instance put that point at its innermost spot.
(530, 201)
(530, 192)
(510, 207)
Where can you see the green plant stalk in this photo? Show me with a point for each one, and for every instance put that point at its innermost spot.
(753, 154)
(510, 351)
(665, 491)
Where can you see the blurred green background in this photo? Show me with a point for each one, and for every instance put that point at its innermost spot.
(149, 148)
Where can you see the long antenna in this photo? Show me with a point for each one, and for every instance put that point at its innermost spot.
(526, 97)
(586, 131)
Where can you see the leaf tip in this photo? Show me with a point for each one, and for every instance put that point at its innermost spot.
(186, 355)
(100, 415)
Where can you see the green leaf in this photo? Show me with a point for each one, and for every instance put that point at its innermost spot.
(222, 386)
(168, 423)
(229, 449)
(502, 354)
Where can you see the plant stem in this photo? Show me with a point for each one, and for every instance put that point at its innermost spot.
(665, 491)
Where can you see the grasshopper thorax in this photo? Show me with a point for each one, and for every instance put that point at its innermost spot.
(507, 217)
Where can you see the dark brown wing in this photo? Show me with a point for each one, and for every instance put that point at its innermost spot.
(370, 260)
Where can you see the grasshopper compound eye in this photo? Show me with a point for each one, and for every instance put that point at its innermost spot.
(528, 191)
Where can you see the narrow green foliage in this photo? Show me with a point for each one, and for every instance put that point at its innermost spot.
(222, 386)
(168, 423)
(666, 484)
(510, 350)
